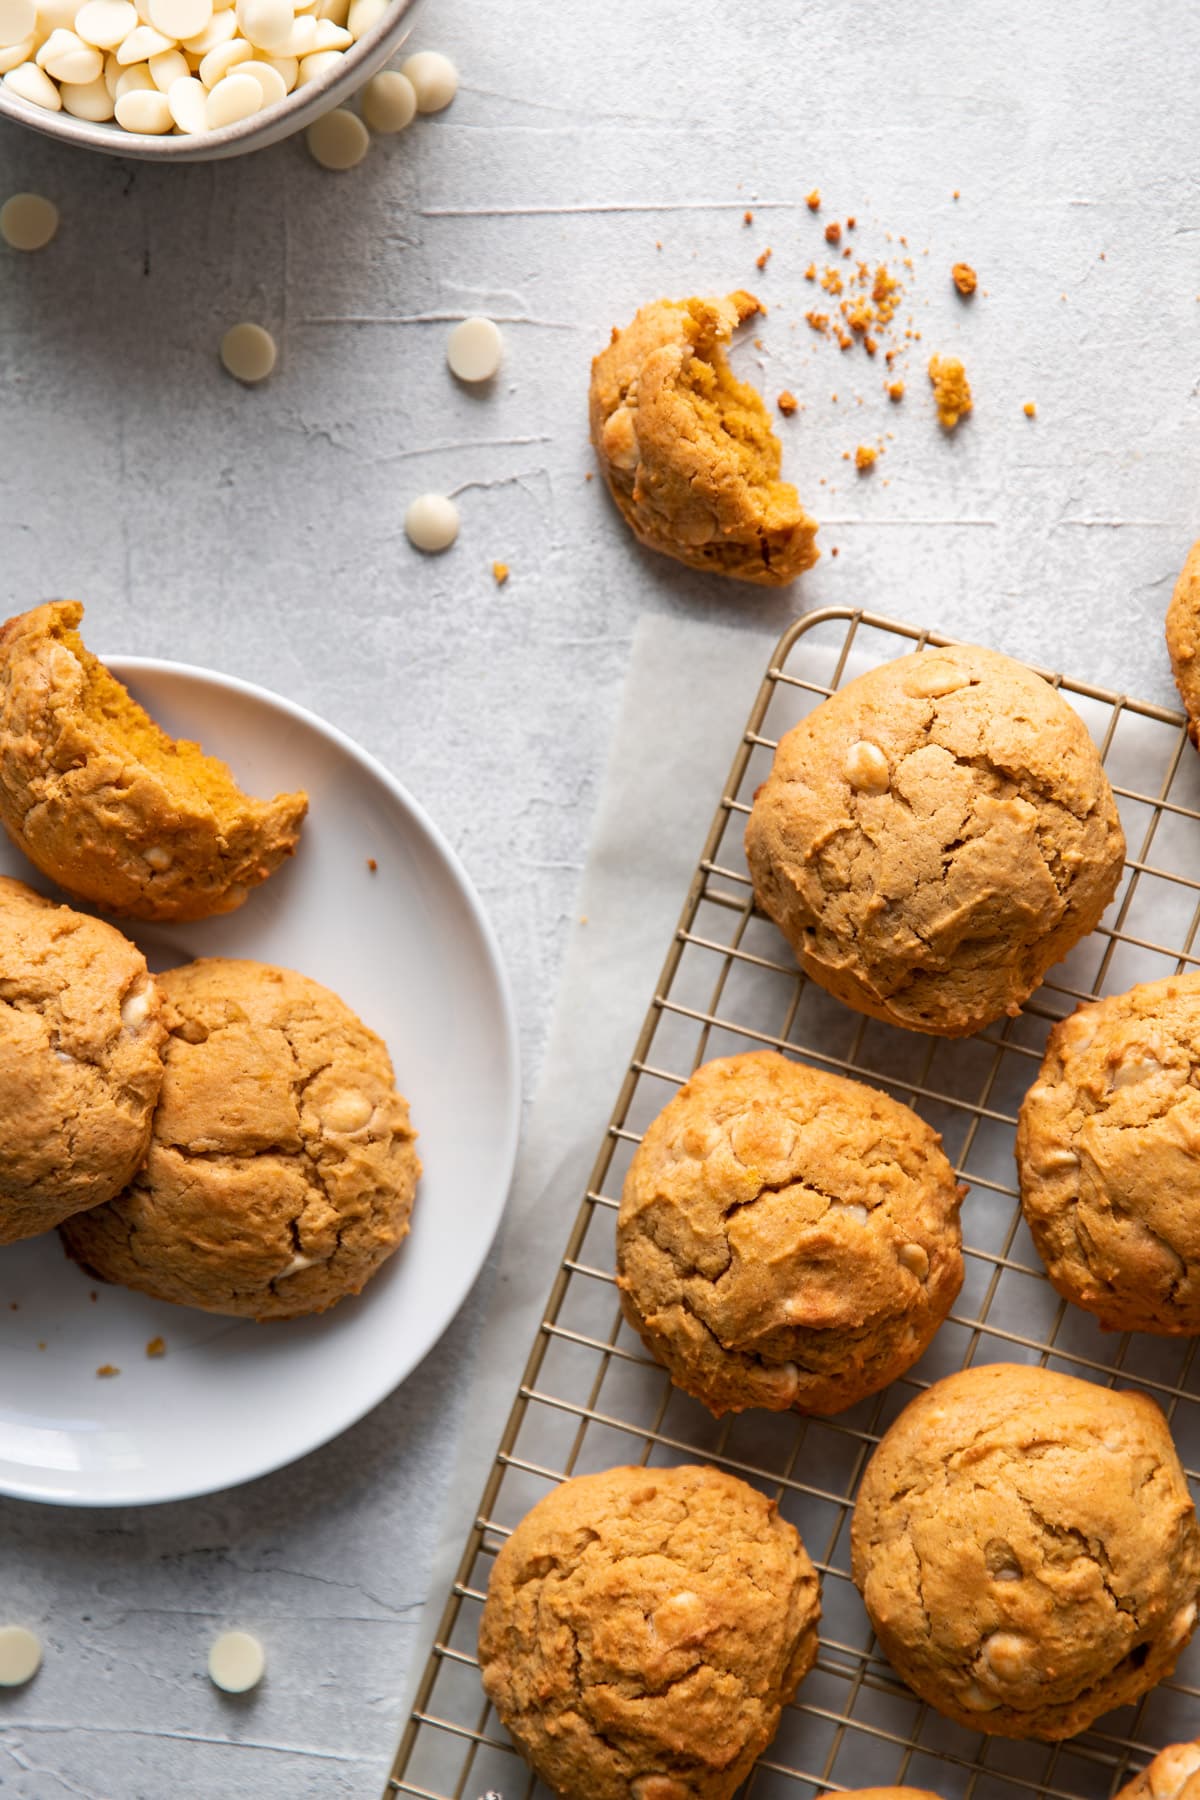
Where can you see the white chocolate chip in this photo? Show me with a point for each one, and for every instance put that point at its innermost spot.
(17, 20)
(346, 1111)
(105, 23)
(850, 1209)
(431, 522)
(34, 85)
(144, 109)
(338, 140)
(218, 62)
(219, 30)
(28, 221)
(1182, 1623)
(16, 54)
(389, 102)
(236, 1662)
(915, 1259)
(137, 80)
(321, 62)
(362, 16)
(187, 100)
(247, 350)
(141, 44)
(300, 40)
(91, 101)
(297, 1266)
(266, 23)
(474, 349)
(158, 856)
(180, 18)
(434, 79)
(1054, 1160)
(20, 1656)
(328, 36)
(1006, 1654)
(135, 1007)
(866, 768)
(932, 678)
(234, 97)
(268, 78)
(66, 57)
(975, 1700)
(167, 67)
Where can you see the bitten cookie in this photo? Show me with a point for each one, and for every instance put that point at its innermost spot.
(1027, 1549)
(1108, 1150)
(688, 450)
(1183, 639)
(933, 837)
(281, 1172)
(105, 803)
(643, 1630)
(786, 1238)
(1173, 1775)
(81, 1037)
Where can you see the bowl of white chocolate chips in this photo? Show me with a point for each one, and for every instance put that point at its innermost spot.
(195, 80)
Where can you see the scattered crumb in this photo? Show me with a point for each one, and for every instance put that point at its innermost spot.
(965, 279)
(372, 865)
(760, 262)
(951, 390)
(813, 200)
(658, 243)
(895, 390)
(590, 476)
(865, 458)
(107, 1369)
(954, 195)
(156, 1347)
(583, 918)
(41, 1343)
(14, 1306)
(851, 222)
(499, 573)
(810, 274)
(834, 551)
(1030, 409)
(747, 217)
(787, 403)
(833, 232)
(93, 1296)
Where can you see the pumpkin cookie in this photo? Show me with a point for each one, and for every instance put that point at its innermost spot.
(281, 1172)
(934, 836)
(1108, 1149)
(109, 806)
(1183, 638)
(644, 1629)
(1173, 1775)
(1027, 1549)
(81, 1038)
(786, 1238)
(688, 450)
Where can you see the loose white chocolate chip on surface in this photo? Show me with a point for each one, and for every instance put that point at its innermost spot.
(339, 140)
(434, 79)
(389, 102)
(866, 768)
(28, 221)
(20, 1656)
(431, 522)
(248, 352)
(236, 1662)
(474, 349)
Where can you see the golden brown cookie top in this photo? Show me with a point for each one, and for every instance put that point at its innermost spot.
(787, 1237)
(1108, 1148)
(934, 836)
(81, 1036)
(1183, 637)
(1173, 1775)
(642, 1630)
(1027, 1549)
(105, 803)
(688, 450)
(281, 1172)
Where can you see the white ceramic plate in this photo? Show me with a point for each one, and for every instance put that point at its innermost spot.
(409, 949)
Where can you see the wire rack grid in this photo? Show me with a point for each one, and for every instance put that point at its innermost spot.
(591, 1398)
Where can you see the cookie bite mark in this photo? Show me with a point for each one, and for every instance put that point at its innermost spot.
(104, 802)
(688, 450)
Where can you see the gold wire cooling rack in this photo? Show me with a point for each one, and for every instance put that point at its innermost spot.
(591, 1398)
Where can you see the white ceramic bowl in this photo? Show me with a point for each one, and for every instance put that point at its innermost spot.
(292, 113)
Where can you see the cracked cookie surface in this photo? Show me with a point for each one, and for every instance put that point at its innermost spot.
(786, 1237)
(643, 1630)
(1183, 638)
(1027, 1549)
(935, 836)
(1174, 1774)
(688, 450)
(105, 803)
(1108, 1150)
(281, 1170)
(81, 1038)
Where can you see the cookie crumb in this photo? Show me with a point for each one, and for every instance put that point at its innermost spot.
(851, 222)
(14, 1306)
(1030, 409)
(156, 1347)
(499, 573)
(965, 279)
(93, 1296)
(760, 262)
(895, 390)
(833, 232)
(834, 551)
(787, 403)
(865, 458)
(951, 390)
(747, 217)
(41, 1343)
(107, 1369)
(813, 200)
(954, 195)
(372, 865)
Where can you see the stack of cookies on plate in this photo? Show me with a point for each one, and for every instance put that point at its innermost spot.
(227, 1135)
(930, 840)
